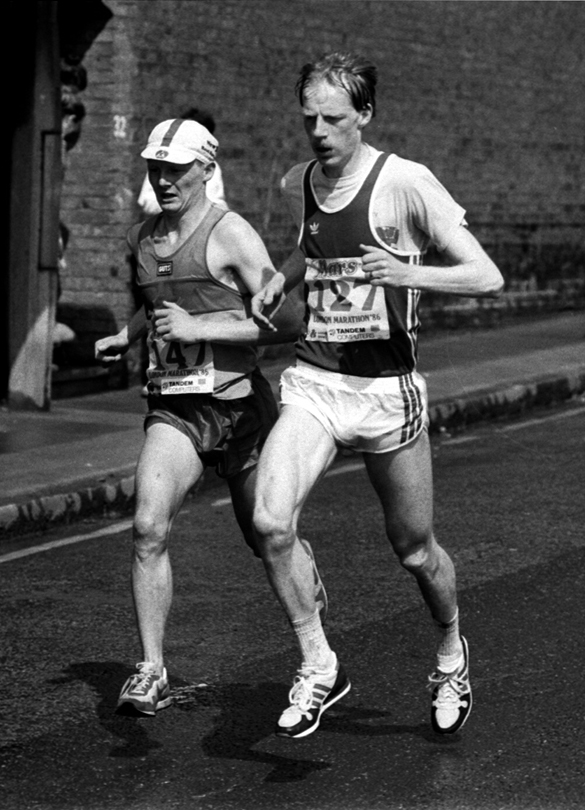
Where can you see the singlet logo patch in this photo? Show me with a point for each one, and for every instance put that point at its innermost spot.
(314, 228)
(388, 234)
(164, 268)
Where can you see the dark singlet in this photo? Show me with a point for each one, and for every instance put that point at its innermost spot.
(184, 278)
(351, 327)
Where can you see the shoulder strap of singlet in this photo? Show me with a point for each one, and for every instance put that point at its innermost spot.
(212, 217)
(309, 201)
(139, 231)
(373, 174)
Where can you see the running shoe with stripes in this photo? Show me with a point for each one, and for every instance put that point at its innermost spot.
(145, 692)
(320, 593)
(451, 696)
(313, 692)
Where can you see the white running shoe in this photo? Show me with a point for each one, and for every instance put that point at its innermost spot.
(145, 692)
(313, 692)
(451, 697)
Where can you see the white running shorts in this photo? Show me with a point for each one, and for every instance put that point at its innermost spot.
(368, 415)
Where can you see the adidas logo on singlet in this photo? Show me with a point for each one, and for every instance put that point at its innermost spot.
(314, 228)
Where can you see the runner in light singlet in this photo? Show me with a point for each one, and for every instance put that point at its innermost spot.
(208, 404)
(365, 222)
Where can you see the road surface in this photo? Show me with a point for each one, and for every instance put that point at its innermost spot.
(509, 508)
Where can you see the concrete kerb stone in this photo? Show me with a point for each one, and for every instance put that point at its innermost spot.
(117, 497)
(61, 509)
(111, 499)
(456, 414)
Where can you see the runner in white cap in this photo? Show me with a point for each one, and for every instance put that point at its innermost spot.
(208, 405)
(366, 220)
(214, 188)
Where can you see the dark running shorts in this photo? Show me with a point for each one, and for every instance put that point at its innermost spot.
(227, 434)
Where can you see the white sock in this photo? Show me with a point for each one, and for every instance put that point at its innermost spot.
(450, 648)
(313, 643)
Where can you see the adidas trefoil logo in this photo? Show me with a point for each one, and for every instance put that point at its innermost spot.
(314, 228)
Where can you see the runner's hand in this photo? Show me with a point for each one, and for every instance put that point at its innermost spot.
(112, 348)
(266, 303)
(172, 322)
(385, 270)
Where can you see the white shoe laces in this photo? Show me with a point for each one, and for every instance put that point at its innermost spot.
(302, 694)
(451, 686)
(145, 670)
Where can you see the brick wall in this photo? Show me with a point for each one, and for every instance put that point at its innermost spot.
(487, 94)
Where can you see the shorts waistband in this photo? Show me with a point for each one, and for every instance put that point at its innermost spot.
(348, 382)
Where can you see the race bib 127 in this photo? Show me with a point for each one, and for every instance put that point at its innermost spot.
(343, 305)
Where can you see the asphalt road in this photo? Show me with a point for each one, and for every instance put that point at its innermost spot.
(509, 508)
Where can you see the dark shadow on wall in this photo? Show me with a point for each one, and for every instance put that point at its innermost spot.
(75, 371)
(78, 326)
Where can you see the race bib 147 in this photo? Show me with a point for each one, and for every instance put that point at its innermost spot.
(181, 368)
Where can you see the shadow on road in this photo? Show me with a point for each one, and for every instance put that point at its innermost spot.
(246, 717)
(106, 679)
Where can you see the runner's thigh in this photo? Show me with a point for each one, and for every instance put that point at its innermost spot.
(404, 483)
(167, 469)
(297, 452)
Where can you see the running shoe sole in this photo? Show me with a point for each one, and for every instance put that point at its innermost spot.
(128, 708)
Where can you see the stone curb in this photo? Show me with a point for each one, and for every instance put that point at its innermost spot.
(117, 497)
(60, 509)
(457, 414)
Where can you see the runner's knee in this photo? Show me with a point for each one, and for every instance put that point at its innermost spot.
(150, 534)
(417, 556)
(274, 534)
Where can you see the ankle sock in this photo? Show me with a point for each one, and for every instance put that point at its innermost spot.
(313, 643)
(450, 648)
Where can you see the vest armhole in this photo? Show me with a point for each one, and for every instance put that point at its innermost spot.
(306, 189)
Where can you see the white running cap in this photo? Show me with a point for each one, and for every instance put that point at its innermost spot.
(180, 141)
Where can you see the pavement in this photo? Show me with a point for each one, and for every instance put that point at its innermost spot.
(78, 459)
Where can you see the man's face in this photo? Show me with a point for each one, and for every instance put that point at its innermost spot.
(334, 126)
(178, 185)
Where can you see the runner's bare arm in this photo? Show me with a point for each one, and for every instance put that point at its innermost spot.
(470, 273)
(236, 256)
(112, 348)
(230, 327)
(267, 302)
